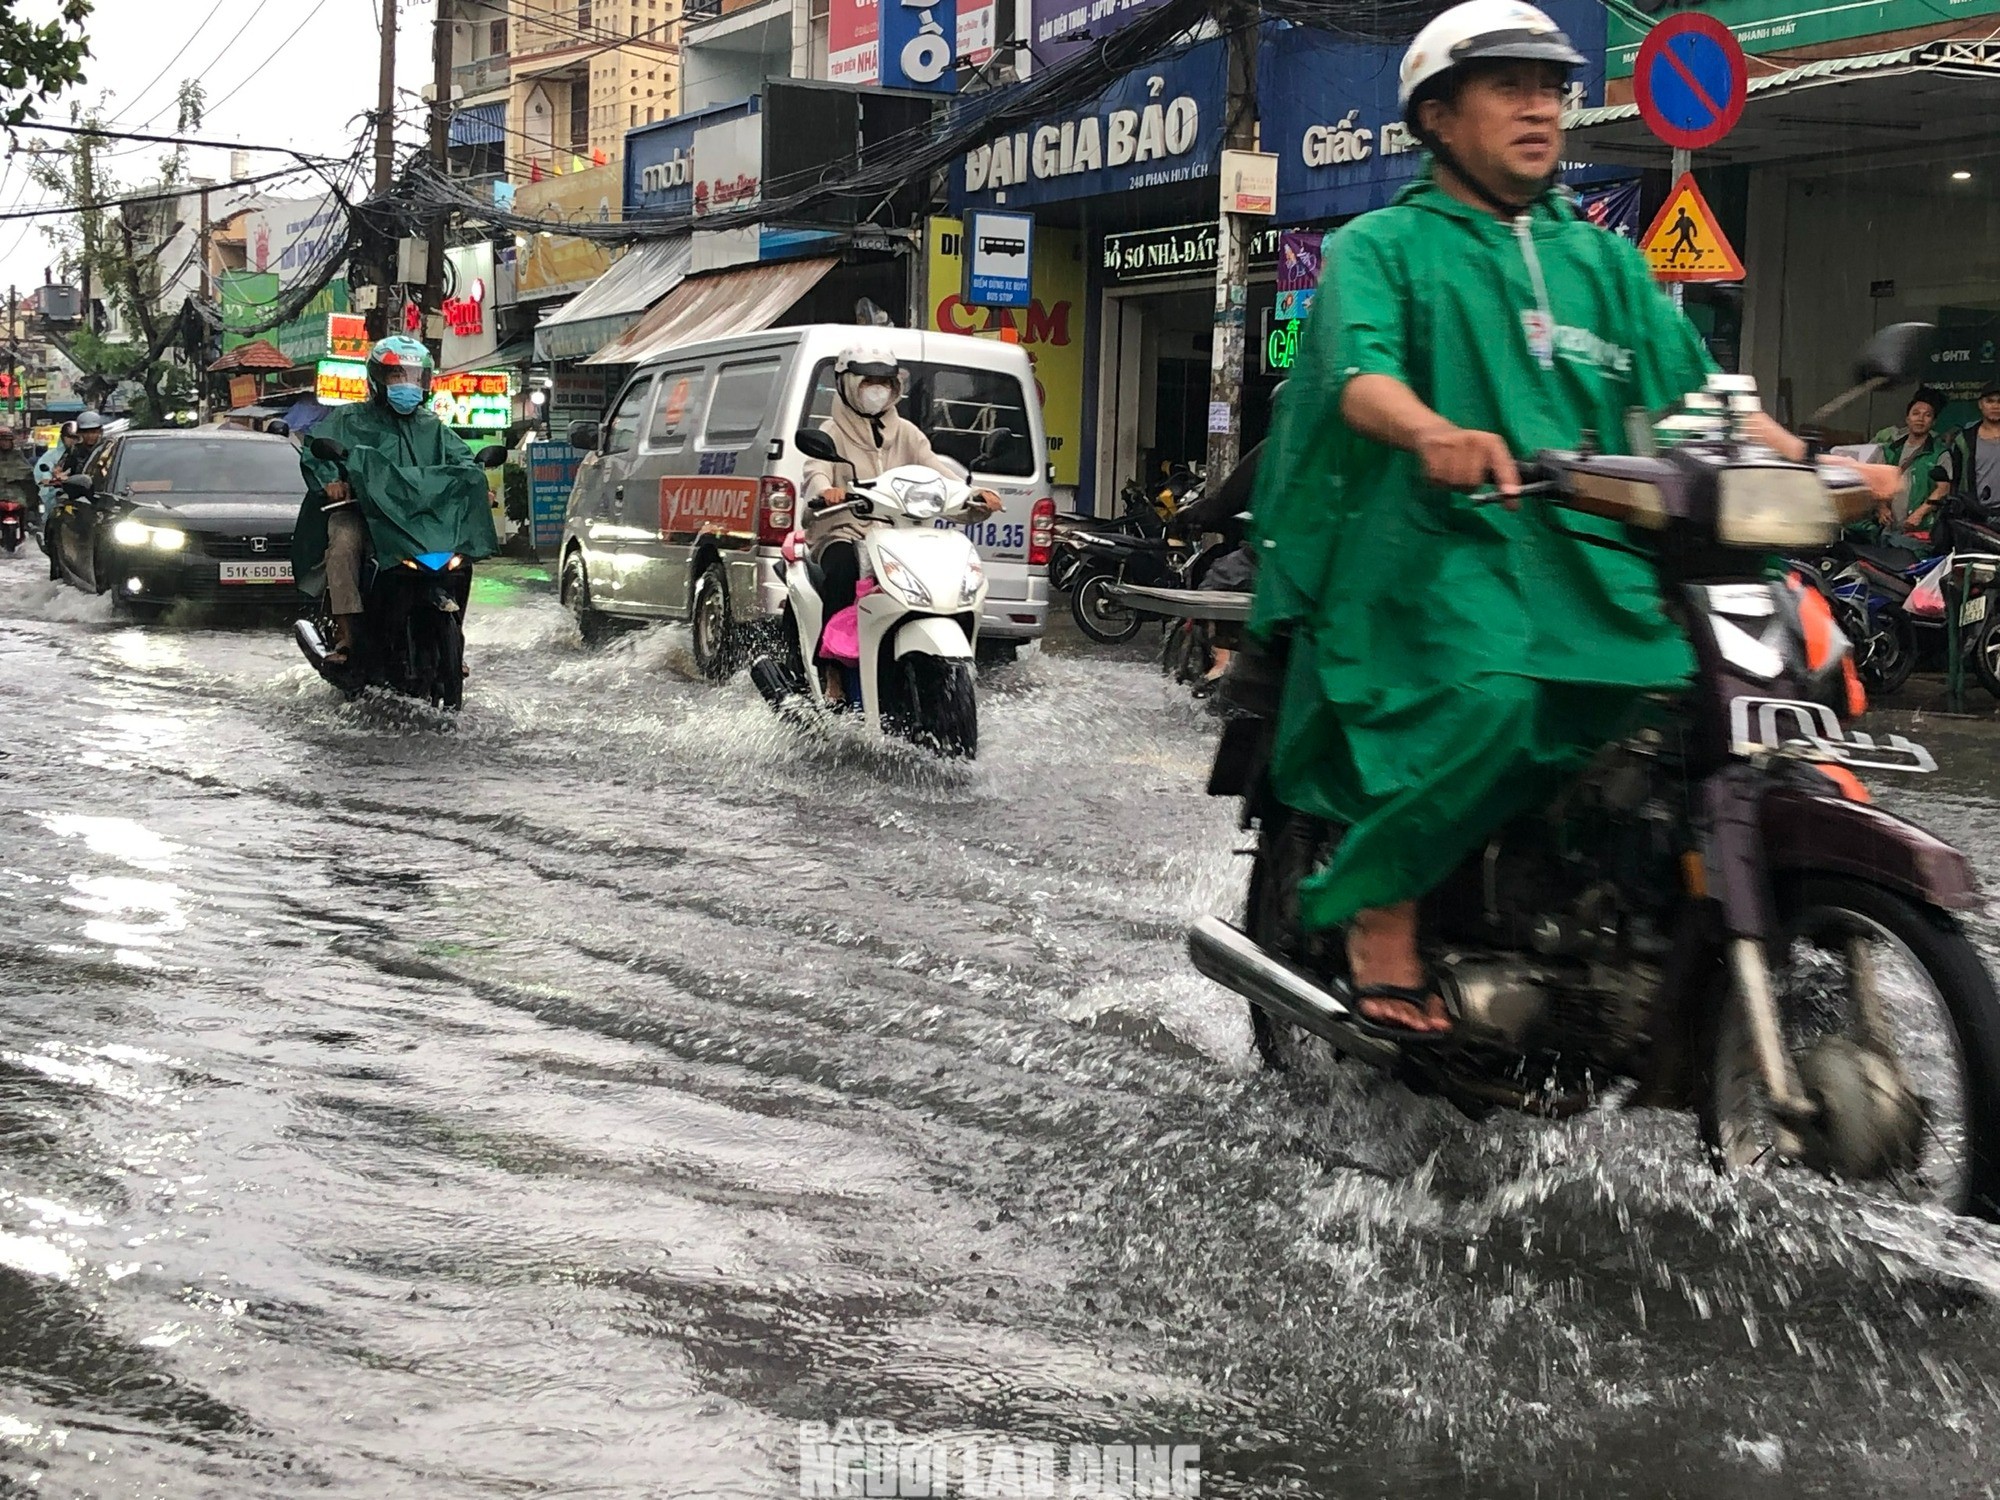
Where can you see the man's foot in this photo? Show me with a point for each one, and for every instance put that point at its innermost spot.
(1392, 988)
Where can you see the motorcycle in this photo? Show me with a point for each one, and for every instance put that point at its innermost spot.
(917, 629)
(1714, 914)
(13, 523)
(1867, 585)
(411, 635)
(1103, 598)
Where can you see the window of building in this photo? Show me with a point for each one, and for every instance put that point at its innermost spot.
(649, 114)
(579, 110)
(635, 25)
(635, 115)
(496, 38)
(583, 15)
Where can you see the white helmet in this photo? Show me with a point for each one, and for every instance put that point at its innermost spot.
(864, 363)
(1478, 30)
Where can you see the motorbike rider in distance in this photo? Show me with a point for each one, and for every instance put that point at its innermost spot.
(873, 437)
(1476, 318)
(395, 419)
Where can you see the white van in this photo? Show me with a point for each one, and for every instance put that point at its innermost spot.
(689, 487)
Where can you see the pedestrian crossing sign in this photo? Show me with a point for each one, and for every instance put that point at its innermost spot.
(1685, 242)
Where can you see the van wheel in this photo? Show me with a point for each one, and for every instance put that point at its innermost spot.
(592, 623)
(716, 646)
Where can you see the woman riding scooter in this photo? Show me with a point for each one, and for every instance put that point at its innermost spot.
(873, 438)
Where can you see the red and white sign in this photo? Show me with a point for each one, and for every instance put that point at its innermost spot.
(852, 27)
(691, 507)
(469, 334)
(466, 315)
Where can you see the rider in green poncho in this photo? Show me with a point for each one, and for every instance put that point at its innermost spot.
(1454, 664)
(408, 486)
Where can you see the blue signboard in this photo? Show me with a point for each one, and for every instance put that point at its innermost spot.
(551, 474)
(659, 160)
(1328, 109)
(1061, 27)
(999, 250)
(1158, 124)
(918, 46)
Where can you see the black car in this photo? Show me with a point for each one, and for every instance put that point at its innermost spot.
(201, 515)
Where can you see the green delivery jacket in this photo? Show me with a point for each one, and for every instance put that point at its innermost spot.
(1448, 660)
(416, 481)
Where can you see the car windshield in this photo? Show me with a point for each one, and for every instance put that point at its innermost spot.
(210, 466)
(979, 417)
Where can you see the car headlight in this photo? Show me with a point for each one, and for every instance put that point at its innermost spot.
(167, 539)
(900, 577)
(1773, 506)
(131, 534)
(975, 580)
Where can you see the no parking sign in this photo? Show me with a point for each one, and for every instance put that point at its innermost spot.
(1690, 79)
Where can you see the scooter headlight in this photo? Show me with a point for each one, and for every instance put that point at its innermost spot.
(900, 577)
(923, 500)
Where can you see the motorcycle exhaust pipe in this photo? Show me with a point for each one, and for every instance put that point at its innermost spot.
(1236, 963)
(309, 641)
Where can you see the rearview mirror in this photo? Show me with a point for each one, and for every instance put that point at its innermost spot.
(583, 435)
(327, 451)
(492, 456)
(816, 444)
(1896, 355)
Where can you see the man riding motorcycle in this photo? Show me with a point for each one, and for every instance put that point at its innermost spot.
(873, 437)
(1476, 318)
(395, 420)
(80, 439)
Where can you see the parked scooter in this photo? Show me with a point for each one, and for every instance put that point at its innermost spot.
(1714, 911)
(916, 630)
(411, 636)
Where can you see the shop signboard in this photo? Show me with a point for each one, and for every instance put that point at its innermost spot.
(1791, 26)
(304, 339)
(728, 165)
(659, 161)
(341, 382)
(1180, 250)
(1301, 257)
(919, 45)
(577, 394)
(478, 400)
(470, 327)
(1050, 328)
(1062, 27)
(998, 258)
(243, 390)
(851, 34)
(551, 475)
(1327, 109)
(1157, 124)
(347, 335)
(554, 264)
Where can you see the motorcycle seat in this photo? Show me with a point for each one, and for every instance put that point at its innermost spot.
(1888, 581)
(1890, 559)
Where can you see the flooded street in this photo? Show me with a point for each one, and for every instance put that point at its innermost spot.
(576, 1096)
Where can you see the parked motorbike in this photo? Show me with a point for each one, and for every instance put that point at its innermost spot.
(917, 629)
(1715, 912)
(13, 524)
(1867, 586)
(411, 635)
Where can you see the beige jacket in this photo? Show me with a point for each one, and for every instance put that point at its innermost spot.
(900, 442)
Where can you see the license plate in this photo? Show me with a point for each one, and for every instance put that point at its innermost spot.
(277, 570)
(1973, 610)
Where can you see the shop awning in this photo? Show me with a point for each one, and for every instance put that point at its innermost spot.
(514, 354)
(480, 125)
(613, 302)
(747, 300)
(1941, 97)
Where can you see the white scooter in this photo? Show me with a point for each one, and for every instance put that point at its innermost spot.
(919, 624)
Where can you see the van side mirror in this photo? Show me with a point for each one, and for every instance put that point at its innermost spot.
(583, 435)
(816, 444)
(1896, 355)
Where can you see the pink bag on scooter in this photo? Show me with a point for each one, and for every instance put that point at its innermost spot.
(841, 640)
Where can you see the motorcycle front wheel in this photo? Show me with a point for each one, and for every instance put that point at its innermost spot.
(1986, 655)
(1099, 615)
(1893, 1026)
(1291, 846)
(943, 704)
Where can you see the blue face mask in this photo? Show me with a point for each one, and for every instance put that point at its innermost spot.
(404, 399)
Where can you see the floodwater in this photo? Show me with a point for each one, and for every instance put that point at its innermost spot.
(576, 1096)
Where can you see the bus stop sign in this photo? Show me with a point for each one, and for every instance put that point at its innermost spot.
(1690, 79)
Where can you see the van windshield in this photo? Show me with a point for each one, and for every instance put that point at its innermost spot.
(979, 417)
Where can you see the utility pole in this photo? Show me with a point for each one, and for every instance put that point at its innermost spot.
(1232, 257)
(14, 356)
(440, 154)
(201, 373)
(385, 103)
(1682, 165)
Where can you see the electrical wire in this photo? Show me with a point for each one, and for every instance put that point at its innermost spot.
(254, 72)
(133, 104)
(240, 33)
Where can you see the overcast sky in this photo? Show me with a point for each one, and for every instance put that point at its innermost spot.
(305, 92)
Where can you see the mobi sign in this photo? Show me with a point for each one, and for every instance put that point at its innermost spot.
(1157, 125)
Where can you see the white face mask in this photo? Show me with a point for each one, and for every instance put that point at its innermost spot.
(875, 398)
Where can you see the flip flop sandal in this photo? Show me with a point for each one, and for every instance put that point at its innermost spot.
(1418, 995)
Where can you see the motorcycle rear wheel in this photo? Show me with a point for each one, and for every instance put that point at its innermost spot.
(1943, 1019)
(1100, 616)
(1889, 656)
(1986, 656)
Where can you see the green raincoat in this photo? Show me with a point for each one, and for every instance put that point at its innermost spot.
(418, 486)
(1454, 665)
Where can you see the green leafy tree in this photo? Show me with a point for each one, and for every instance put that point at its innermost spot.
(39, 61)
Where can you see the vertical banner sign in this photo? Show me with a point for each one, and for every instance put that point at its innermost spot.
(1050, 329)
(850, 41)
(998, 257)
(919, 45)
(551, 473)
